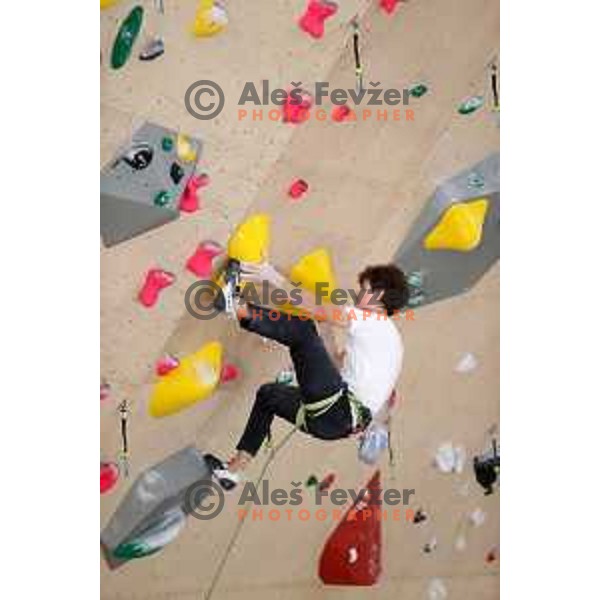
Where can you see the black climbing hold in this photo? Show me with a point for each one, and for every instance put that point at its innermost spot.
(487, 469)
(419, 517)
(139, 156)
(177, 173)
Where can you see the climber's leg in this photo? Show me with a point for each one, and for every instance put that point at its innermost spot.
(316, 373)
(272, 399)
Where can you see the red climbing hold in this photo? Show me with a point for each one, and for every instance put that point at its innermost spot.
(341, 113)
(491, 556)
(156, 280)
(189, 201)
(352, 554)
(327, 482)
(298, 188)
(229, 372)
(109, 475)
(296, 107)
(166, 364)
(389, 6)
(313, 19)
(200, 263)
(104, 391)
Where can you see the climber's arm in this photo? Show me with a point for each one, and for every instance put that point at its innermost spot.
(321, 312)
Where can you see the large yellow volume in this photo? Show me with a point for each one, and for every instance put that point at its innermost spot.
(250, 241)
(460, 228)
(195, 379)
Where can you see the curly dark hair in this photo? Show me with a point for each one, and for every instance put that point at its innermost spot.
(392, 281)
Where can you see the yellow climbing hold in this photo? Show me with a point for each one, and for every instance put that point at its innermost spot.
(195, 379)
(314, 268)
(460, 228)
(107, 3)
(250, 241)
(211, 19)
(185, 150)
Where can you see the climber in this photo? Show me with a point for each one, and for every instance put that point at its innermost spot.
(328, 403)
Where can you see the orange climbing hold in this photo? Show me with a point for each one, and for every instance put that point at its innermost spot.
(352, 554)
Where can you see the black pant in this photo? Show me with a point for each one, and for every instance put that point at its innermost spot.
(317, 377)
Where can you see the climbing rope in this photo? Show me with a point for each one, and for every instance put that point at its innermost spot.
(273, 450)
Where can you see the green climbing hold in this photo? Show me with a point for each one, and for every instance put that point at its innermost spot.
(417, 90)
(163, 198)
(312, 480)
(134, 549)
(470, 105)
(128, 32)
(415, 286)
(285, 377)
(167, 144)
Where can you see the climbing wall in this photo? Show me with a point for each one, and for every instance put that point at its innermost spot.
(456, 238)
(368, 183)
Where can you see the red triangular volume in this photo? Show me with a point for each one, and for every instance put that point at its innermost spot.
(352, 554)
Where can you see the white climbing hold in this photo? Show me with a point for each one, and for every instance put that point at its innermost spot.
(430, 546)
(352, 555)
(450, 459)
(461, 543)
(436, 590)
(467, 363)
(477, 517)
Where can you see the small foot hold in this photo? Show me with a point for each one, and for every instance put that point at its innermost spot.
(419, 517)
(296, 108)
(153, 49)
(109, 475)
(166, 364)
(313, 19)
(229, 372)
(327, 482)
(341, 113)
(104, 391)
(156, 280)
(211, 18)
(190, 202)
(298, 189)
(200, 263)
(311, 481)
(388, 6)
(225, 478)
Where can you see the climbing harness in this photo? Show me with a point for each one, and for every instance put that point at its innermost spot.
(361, 415)
(124, 454)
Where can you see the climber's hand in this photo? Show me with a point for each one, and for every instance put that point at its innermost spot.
(260, 273)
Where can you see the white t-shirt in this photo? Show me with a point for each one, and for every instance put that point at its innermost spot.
(373, 359)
